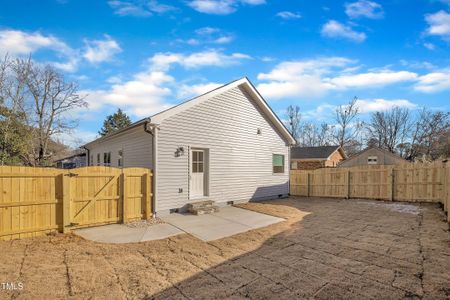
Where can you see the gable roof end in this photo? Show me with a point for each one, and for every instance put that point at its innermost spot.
(244, 83)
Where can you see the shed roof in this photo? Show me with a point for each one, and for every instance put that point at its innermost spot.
(386, 152)
(320, 153)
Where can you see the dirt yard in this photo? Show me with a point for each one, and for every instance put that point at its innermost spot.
(327, 248)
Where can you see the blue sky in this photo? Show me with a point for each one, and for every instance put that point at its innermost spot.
(144, 56)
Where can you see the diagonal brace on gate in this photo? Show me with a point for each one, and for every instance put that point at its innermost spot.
(97, 195)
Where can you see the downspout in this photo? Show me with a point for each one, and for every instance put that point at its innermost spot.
(88, 154)
(151, 128)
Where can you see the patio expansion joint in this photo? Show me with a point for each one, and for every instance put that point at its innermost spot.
(68, 276)
(116, 274)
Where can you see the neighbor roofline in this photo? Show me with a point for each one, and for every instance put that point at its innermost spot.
(338, 148)
(106, 137)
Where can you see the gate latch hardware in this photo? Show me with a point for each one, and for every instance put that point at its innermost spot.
(71, 174)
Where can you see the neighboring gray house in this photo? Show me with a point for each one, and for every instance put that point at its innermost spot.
(226, 145)
(373, 156)
(75, 160)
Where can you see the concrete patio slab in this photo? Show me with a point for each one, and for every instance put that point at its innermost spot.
(121, 234)
(227, 222)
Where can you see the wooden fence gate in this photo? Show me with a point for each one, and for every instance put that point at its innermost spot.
(35, 201)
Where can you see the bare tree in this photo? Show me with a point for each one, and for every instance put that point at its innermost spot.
(428, 135)
(389, 129)
(294, 117)
(312, 135)
(346, 129)
(47, 107)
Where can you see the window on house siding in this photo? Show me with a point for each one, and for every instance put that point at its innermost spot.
(120, 159)
(107, 158)
(278, 163)
(98, 159)
(91, 160)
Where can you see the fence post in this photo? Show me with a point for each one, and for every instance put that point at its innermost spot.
(148, 194)
(392, 177)
(65, 201)
(348, 184)
(124, 197)
(309, 185)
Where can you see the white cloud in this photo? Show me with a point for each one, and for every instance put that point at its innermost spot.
(138, 8)
(163, 61)
(18, 43)
(223, 40)
(254, 2)
(364, 9)
(300, 78)
(316, 77)
(325, 111)
(143, 95)
(208, 35)
(334, 29)
(188, 91)
(439, 24)
(429, 46)
(433, 82)
(101, 50)
(417, 64)
(288, 15)
(220, 7)
(371, 79)
(371, 105)
(207, 30)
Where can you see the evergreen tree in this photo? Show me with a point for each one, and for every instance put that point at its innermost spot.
(115, 122)
(14, 135)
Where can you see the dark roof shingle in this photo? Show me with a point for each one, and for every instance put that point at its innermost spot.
(321, 152)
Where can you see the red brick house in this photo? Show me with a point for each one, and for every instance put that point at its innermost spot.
(310, 158)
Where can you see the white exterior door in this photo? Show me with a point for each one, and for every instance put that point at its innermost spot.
(197, 173)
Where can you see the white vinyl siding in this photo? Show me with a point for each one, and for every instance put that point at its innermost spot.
(136, 145)
(240, 159)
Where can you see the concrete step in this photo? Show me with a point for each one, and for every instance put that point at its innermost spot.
(204, 210)
(200, 204)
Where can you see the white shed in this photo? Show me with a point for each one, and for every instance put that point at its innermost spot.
(226, 145)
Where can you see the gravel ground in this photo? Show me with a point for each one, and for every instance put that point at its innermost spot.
(326, 248)
(145, 223)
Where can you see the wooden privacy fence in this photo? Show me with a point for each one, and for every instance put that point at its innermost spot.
(36, 201)
(410, 182)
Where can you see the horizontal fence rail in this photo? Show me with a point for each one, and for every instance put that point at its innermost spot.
(410, 182)
(37, 201)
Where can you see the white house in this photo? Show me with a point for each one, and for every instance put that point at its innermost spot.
(226, 145)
